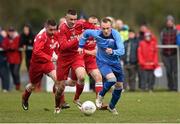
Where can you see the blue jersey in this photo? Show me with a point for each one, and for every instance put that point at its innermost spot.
(114, 42)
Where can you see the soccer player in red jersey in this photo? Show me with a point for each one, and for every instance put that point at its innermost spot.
(68, 57)
(45, 43)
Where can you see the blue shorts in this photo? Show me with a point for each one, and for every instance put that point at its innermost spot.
(107, 69)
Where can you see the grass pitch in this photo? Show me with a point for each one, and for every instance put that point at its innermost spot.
(134, 107)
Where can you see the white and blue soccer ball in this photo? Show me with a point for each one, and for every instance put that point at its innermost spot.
(88, 108)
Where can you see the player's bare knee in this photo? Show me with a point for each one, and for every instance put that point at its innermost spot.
(59, 88)
(73, 83)
(70, 82)
(60, 85)
(112, 79)
(30, 87)
(81, 79)
(98, 78)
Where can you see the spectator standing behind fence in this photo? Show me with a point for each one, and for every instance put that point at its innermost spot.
(130, 61)
(123, 29)
(148, 61)
(143, 29)
(26, 41)
(169, 55)
(11, 45)
(4, 70)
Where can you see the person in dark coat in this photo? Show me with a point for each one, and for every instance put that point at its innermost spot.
(26, 41)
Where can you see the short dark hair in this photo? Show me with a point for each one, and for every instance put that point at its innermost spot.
(72, 12)
(51, 22)
(105, 20)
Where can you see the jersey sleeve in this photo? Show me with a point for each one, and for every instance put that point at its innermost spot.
(120, 46)
(87, 33)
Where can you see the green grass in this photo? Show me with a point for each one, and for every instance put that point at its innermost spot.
(134, 107)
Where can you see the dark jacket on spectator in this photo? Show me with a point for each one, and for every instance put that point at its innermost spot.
(2, 53)
(168, 37)
(27, 40)
(130, 56)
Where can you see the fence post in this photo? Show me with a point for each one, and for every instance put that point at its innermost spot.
(178, 73)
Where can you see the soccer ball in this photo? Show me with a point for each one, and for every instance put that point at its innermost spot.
(88, 108)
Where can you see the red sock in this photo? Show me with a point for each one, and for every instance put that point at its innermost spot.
(98, 87)
(79, 89)
(26, 95)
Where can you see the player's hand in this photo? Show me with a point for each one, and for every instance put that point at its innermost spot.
(109, 51)
(80, 50)
(79, 37)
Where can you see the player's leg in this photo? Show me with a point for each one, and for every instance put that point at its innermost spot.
(107, 73)
(110, 81)
(62, 74)
(116, 94)
(80, 73)
(96, 75)
(26, 94)
(35, 75)
(92, 69)
(64, 105)
(59, 91)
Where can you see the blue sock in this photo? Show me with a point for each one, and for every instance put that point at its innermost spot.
(106, 87)
(115, 97)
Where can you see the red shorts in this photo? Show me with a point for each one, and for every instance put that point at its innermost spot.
(64, 66)
(90, 63)
(37, 70)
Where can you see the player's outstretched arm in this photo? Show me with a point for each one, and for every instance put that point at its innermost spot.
(87, 33)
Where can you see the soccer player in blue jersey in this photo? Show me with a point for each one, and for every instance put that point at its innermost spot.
(109, 49)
